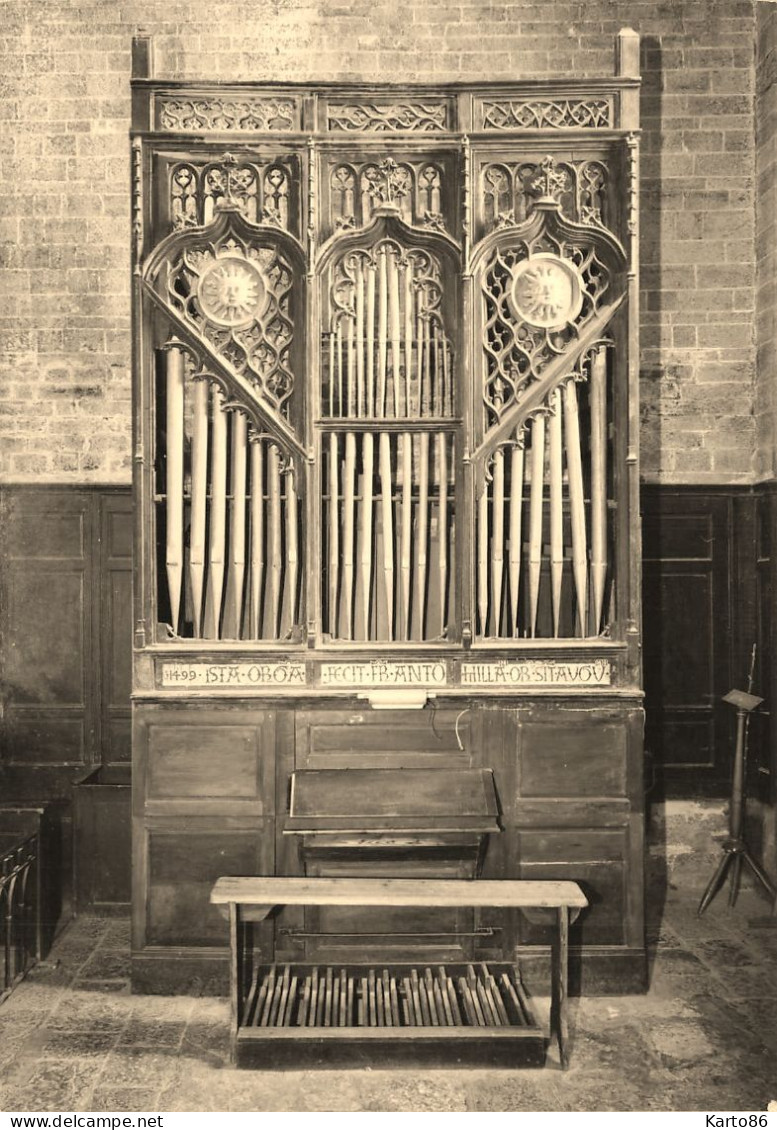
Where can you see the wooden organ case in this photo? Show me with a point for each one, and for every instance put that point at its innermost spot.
(386, 456)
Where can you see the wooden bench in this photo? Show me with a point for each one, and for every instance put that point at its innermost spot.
(252, 899)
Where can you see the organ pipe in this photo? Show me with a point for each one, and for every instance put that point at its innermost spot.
(174, 479)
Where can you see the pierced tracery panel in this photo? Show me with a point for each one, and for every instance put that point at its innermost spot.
(228, 515)
(250, 114)
(542, 113)
(237, 296)
(388, 399)
(381, 115)
(386, 353)
(264, 191)
(509, 191)
(537, 296)
(354, 192)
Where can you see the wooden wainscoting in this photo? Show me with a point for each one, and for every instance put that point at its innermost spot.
(707, 599)
(65, 627)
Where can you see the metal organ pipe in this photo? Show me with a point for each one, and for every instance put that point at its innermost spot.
(407, 523)
(175, 376)
(393, 287)
(556, 508)
(237, 530)
(422, 527)
(218, 519)
(516, 549)
(536, 503)
(292, 546)
(482, 538)
(442, 523)
(199, 500)
(349, 472)
(386, 487)
(598, 484)
(257, 538)
(360, 391)
(365, 527)
(497, 553)
(576, 501)
(408, 293)
(275, 546)
(382, 340)
(334, 531)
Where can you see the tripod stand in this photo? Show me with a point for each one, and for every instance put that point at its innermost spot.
(735, 850)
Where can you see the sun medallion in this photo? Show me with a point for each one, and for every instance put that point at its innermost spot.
(232, 292)
(547, 291)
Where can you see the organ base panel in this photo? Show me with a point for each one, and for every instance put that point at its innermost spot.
(386, 482)
(215, 801)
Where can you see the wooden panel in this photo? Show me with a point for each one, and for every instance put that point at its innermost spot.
(762, 763)
(46, 616)
(208, 759)
(48, 736)
(336, 739)
(677, 537)
(587, 759)
(50, 526)
(183, 865)
(594, 858)
(117, 527)
(46, 626)
(115, 628)
(204, 761)
(339, 798)
(102, 847)
(689, 592)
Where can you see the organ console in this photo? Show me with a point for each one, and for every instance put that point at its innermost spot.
(387, 528)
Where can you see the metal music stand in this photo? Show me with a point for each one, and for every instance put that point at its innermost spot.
(735, 850)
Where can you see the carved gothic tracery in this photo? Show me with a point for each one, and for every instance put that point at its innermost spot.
(537, 296)
(535, 113)
(237, 297)
(387, 353)
(239, 114)
(428, 116)
(415, 187)
(262, 191)
(405, 401)
(509, 191)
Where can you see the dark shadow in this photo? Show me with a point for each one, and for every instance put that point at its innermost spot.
(652, 388)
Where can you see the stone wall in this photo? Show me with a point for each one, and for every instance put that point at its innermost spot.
(64, 228)
(766, 235)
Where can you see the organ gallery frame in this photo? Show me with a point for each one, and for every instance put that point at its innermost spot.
(386, 456)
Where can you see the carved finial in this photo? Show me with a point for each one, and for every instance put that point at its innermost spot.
(434, 221)
(229, 202)
(389, 186)
(548, 183)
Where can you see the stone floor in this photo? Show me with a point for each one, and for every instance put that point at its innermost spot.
(703, 1039)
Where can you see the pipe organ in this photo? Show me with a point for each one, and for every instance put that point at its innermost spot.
(386, 483)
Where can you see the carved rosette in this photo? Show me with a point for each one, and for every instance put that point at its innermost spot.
(547, 291)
